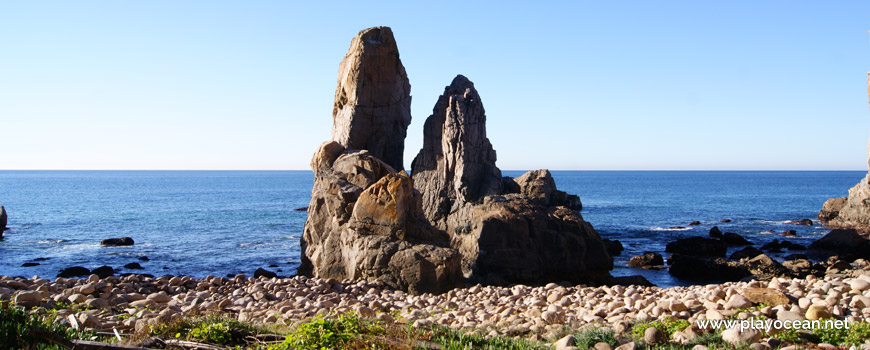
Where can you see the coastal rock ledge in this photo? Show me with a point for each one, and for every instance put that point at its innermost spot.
(456, 220)
(852, 211)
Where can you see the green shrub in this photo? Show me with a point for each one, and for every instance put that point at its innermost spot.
(859, 332)
(668, 326)
(457, 340)
(831, 335)
(588, 339)
(328, 334)
(17, 325)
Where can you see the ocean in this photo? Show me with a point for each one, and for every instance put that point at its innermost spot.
(219, 223)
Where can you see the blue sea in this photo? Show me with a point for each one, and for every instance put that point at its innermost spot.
(202, 223)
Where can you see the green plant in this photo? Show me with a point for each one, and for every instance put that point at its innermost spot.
(22, 330)
(859, 332)
(789, 335)
(587, 339)
(328, 334)
(212, 329)
(455, 340)
(668, 326)
(831, 335)
(217, 333)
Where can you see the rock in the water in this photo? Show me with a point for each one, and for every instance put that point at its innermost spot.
(647, 260)
(3, 220)
(763, 265)
(847, 244)
(831, 209)
(698, 246)
(457, 162)
(261, 272)
(748, 252)
(133, 266)
(715, 232)
(805, 222)
(104, 271)
(29, 264)
(694, 223)
(116, 242)
(372, 107)
(731, 238)
(74, 271)
(613, 247)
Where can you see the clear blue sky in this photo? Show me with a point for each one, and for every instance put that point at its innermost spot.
(566, 85)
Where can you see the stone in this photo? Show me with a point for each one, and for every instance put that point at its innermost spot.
(103, 271)
(117, 242)
(699, 347)
(732, 239)
(715, 232)
(627, 346)
(648, 259)
(654, 336)
(748, 252)
(565, 342)
(697, 246)
(133, 266)
(28, 298)
(261, 272)
(737, 302)
(74, 271)
(763, 265)
(788, 315)
(694, 223)
(805, 222)
(602, 346)
(372, 108)
(457, 162)
(817, 312)
(613, 247)
(540, 187)
(735, 336)
(699, 269)
(831, 208)
(771, 297)
(846, 243)
(4, 217)
(859, 285)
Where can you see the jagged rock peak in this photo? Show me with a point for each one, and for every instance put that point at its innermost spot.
(372, 108)
(457, 162)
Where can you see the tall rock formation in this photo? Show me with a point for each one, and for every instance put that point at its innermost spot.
(852, 211)
(365, 219)
(508, 230)
(3, 219)
(457, 162)
(372, 106)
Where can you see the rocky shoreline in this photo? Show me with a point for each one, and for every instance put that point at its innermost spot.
(132, 303)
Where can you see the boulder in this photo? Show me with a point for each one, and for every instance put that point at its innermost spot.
(116, 242)
(697, 246)
(805, 222)
(28, 298)
(852, 211)
(3, 220)
(261, 272)
(457, 162)
(613, 247)
(715, 232)
(372, 107)
(694, 223)
(539, 186)
(846, 243)
(698, 269)
(789, 233)
(763, 265)
(633, 280)
(767, 296)
(748, 252)
(104, 271)
(647, 260)
(731, 239)
(74, 271)
(133, 266)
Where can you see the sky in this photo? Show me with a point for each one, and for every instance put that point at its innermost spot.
(579, 85)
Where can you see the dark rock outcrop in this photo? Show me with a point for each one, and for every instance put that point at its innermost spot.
(847, 244)
(852, 211)
(699, 269)
(748, 252)
(614, 247)
(104, 271)
(3, 220)
(805, 222)
(372, 107)
(698, 246)
(133, 266)
(715, 232)
(647, 260)
(117, 242)
(261, 272)
(731, 239)
(74, 271)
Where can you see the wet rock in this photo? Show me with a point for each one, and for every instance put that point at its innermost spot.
(261, 272)
(831, 208)
(748, 252)
(789, 233)
(731, 238)
(4, 217)
(845, 243)
(74, 271)
(715, 232)
(614, 247)
(806, 222)
(116, 242)
(725, 220)
(698, 269)
(29, 264)
(133, 266)
(103, 271)
(697, 246)
(694, 223)
(647, 260)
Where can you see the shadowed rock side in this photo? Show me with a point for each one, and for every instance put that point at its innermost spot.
(508, 230)
(365, 223)
(372, 107)
(852, 211)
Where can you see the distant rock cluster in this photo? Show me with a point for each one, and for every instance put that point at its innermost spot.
(455, 219)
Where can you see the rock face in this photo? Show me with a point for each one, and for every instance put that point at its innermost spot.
(372, 107)
(457, 163)
(458, 218)
(852, 211)
(3, 219)
(845, 243)
(508, 230)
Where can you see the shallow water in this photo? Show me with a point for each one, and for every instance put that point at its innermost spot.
(202, 223)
